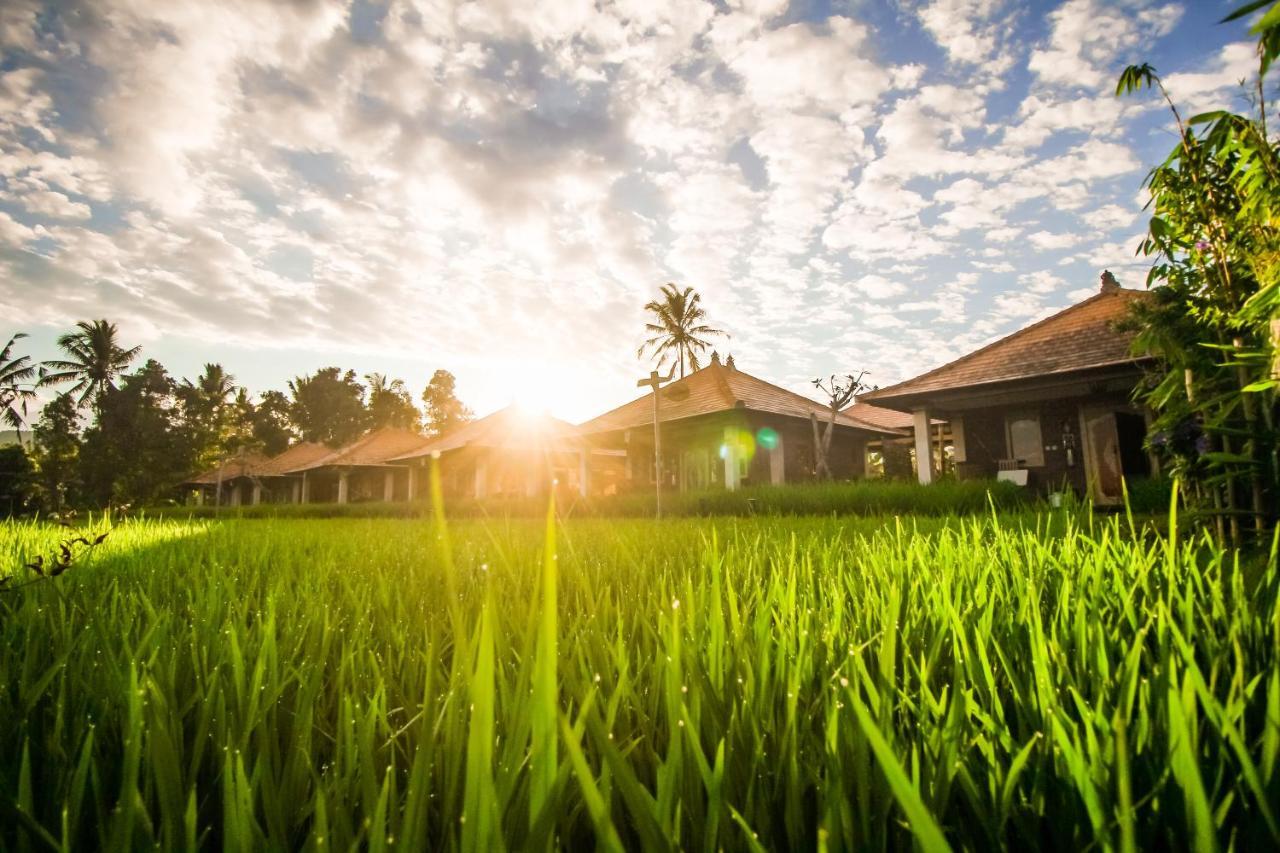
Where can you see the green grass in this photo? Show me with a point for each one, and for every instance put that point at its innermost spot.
(731, 683)
(860, 497)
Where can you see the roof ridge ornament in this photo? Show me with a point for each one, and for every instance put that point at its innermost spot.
(1109, 283)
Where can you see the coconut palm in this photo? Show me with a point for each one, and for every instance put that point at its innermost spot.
(16, 387)
(95, 359)
(677, 329)
(215, 385)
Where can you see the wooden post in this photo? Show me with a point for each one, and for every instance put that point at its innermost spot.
(389, 485)
(413, 481)
(924, 448)
(257, 493)
(306, 489)
(655, 382)
(343, 486)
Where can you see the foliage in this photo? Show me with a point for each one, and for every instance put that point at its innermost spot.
(16, 386)
(733, 684)
(17, 479)
(444, 410)
(57, 453)
(270, 423)
(1216, 249)
(678, 333)
(390, 404)
(134, 452)
(209, 416)
(328, 406)
(94, 360)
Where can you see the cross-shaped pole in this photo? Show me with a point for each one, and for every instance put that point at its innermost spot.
(655, 381)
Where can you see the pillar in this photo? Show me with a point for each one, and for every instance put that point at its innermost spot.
(413, 481)
(584, 471)
(295, 492)
(200, 496)
(480, 484)
(924, 448)
(305, 496)
(389, 484)
(729, 450)
(343, 486)
(257, 493)
(777, 464)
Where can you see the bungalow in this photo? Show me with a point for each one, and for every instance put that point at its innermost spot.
(231, 482)
(366, 469)
(1049, 405)
(724, 427)
(510, 452)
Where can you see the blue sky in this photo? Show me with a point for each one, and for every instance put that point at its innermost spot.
(497, 188)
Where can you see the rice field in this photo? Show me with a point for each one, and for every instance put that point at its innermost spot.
(702, 684)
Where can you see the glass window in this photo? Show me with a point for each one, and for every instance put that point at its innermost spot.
(1026, 447)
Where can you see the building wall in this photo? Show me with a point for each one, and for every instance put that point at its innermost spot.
(693, 451)
(986, 441)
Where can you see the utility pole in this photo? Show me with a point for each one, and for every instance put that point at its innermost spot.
(655, 382)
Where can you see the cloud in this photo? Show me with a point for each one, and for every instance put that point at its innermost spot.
(970, 31)
(1086, 37)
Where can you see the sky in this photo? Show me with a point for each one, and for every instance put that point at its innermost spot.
(496, 188)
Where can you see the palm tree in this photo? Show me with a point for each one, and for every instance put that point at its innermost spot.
(95, 359)
(16, 387)
(215, 385)
(677, 329)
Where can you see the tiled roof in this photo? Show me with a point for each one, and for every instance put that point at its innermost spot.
(379, 447)
(1078, 338)
(245, 465)
(511, 427)
(301, 454)
(886, 418)
(717, 388)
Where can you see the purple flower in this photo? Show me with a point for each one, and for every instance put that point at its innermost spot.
(1202, 245)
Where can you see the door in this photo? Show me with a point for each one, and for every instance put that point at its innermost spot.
(1103, 467)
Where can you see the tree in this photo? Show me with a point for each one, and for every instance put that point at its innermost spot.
(1215, 245)
(135, 452)
(677, 331)
(94, 360)
(444, 410)
(329, 406)
(16, 480)
(208, 419)
(390, 404)
(57, 453)
(16, 387)
(270, 423)
(840, 391)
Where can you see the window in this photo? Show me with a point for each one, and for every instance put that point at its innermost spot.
(1026, 447)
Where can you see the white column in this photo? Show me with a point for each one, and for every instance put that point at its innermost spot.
(777, 464)
(957, 439)
(305, 497)
(296, 491)
(413, 481)
(584, 471)
(235, 494)
(924, 447)
(200, 496)
(342, 487)
(730, 459)
(389, 484)
(480, 485)
(257, 493)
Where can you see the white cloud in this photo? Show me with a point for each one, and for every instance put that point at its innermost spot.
(1048, 240)
(1088, 36)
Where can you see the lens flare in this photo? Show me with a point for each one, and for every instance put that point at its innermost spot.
(767, 437)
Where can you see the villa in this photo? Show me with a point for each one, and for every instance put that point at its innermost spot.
(1048, 406)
